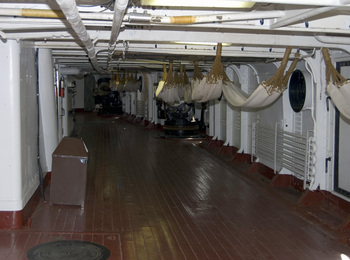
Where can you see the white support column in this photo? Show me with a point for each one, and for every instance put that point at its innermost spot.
(10, 137)
(233, 115)
(321, 127)
(133, 103)
(223, 119)
(211, 110)
(245, 116)
(152, 108)
(229, 125)
(217, 120)
(126, 100)
(48, 108)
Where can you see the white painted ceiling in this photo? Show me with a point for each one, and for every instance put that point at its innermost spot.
(147, 40)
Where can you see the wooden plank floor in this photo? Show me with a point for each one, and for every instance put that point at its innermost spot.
(154, 198)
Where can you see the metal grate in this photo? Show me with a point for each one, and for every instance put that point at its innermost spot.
(285, 149)
(298, 123)
(291, 152)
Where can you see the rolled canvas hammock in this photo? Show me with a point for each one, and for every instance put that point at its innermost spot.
(210, 87)
(132, 84)
(120, 82)
(195, 80)
(182, 82)
(161, 83)
(339, 89)
(169, 92)
(179, 83)
(267, 92)
(112, 83)
(115, 83)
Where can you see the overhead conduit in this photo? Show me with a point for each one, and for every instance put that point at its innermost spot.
(225, 17)
(70, 10)
(119, 11)
(47, 13)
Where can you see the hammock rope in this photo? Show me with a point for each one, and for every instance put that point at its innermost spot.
(278, 82)
(331, 72)
(217, 70)
(197, 73)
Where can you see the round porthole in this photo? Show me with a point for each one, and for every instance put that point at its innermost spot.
(297, 91)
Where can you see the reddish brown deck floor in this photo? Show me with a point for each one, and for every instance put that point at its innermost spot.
(154, 198)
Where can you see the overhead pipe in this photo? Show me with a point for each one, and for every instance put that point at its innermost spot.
(70, 10)
(301, 17)
(304, 2)
(119, 11)
(47, 13)
(147, 18)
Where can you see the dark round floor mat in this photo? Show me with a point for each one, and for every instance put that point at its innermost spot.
(68, 249)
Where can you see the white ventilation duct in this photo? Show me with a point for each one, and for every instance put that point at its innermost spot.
(70, 10)
(119, 10)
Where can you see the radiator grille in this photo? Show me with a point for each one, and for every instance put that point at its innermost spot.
(284, 149)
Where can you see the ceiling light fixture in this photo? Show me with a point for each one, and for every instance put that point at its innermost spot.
(199, 3)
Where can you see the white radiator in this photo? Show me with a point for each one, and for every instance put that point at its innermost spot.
(288, 150)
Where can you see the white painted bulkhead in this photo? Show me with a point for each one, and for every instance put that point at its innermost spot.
(18, 165)
(11, 161)
(19, 138)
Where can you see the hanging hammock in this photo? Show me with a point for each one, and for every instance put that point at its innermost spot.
(267, 92)
(210, 87)
(118, 85)
(339, 89)
(120, 82)
(196, 79)
(132, 84)
(169, 93)
(161, 83)
(127, 83)
(181, 82)
(112, 83)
